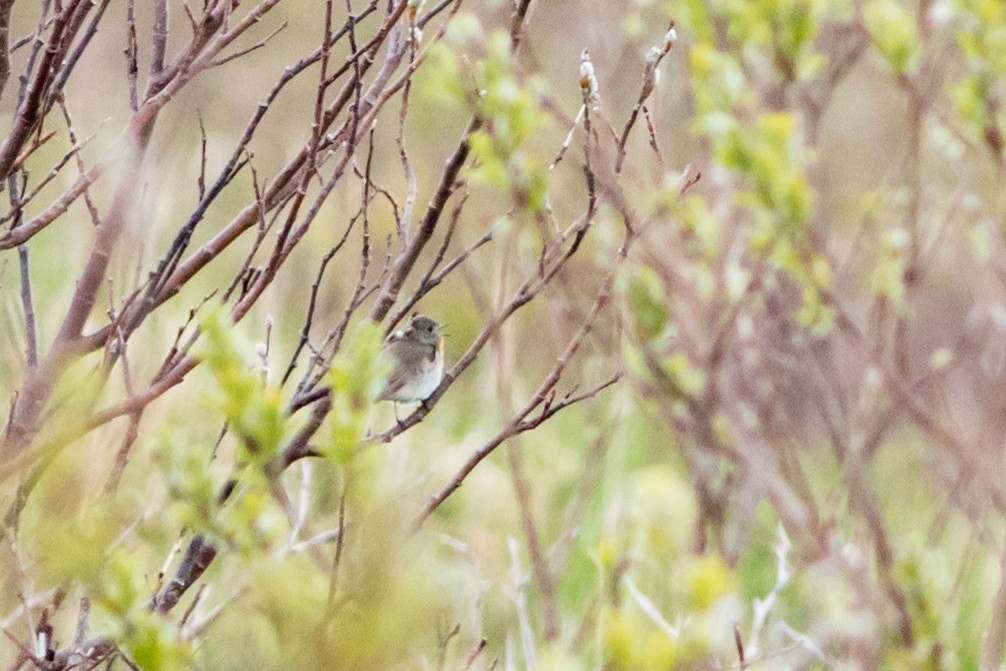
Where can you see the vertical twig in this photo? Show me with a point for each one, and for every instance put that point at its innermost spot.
(31, 333)
(340, 542)
(992, 654)
(5, 11)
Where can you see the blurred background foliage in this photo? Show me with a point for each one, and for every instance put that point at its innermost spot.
(800, 467)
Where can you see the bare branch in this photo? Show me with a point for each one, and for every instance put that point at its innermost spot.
(5, 10)
(407, 259)
(198, 556)
(517, 426)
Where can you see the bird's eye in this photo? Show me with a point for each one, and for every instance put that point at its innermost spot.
(430, 328)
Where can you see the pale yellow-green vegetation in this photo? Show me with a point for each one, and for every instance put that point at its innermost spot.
(793, 267)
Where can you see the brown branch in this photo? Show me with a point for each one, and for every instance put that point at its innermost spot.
(165, 380)
(158, 38)
(38, 387)
(5, 10)
(522, 493)
(122, 456)
(163, 284)
(865, 499)
(175, 277)
(407, 259)
(918, 413)
(93, 651)
(653, 58)
(198, 556)
(532, 286)
(543, 398)
(312, 304)
(70, 62)
(159, 284)
(430, 281)
(542, 572)
(739, 644)
(298, 447)
(340, 542)
(50, 214)
(106, 235)
(132, 66)
(18, 204)
(29, 112)
(244, 52)
(26, 653)
(183, 366)
(474, 654)
(517, 426)
(517, 21)
(652, 132)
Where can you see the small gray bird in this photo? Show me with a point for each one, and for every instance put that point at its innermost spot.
(417, 354)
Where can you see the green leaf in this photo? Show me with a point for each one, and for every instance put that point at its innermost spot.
(254, 409)
(648, 304)
(357, 377)
(895, 35)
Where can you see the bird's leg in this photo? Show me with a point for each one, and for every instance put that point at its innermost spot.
(396, 413)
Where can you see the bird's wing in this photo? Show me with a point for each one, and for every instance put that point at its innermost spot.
(396, 381)
(404, 360)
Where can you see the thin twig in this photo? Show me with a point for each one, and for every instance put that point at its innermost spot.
(514, 428)
(31, 332)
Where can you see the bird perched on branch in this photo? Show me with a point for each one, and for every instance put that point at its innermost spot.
(417, 354)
